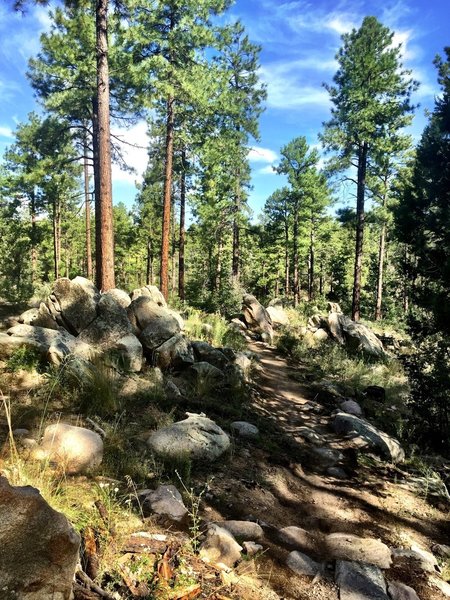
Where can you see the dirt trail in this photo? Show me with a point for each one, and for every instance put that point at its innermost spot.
(295, 490)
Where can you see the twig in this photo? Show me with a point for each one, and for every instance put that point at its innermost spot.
(96, 427)
(92, 586)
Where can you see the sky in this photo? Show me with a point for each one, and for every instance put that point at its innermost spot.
(299, 41)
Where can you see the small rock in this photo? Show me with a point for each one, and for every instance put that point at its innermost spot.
(244, 429)
(348, 547)
(297, 538)
(302, 564)
(400, 591)
(326, 457)
(251, 548)
(360, 581)
(320, 335)
(220, 547)
(243, 529)
(337, 472)
(310, 435)
(166, 500)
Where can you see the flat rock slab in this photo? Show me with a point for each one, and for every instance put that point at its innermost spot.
(196, 437)
(345, 546)
(388, 446)
(302, 564)
(423, 560)
(297, 538)
(359, 581)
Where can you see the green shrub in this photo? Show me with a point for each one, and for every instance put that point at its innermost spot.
(28, 359)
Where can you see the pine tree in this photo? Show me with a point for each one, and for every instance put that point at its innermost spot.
(371, 93)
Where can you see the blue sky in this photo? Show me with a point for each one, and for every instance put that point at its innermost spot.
(299, 40)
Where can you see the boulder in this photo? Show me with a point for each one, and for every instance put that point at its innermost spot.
(244, 365)
(345, 546)
(176, 352)
(277, 315)
(309, 434)
(143, 311)
(333, 307)
(334, 327)
(250, 548)
(39, 317)
(149, 291)
(359, 581)
(351, 407)
(220, 547)
(356, 336)
(196, 437)
(320, 335)
(10, 343)
(244, 429)
(119, 296)
(166, 500)
(40, 338)
(110, 325)
(129, 351)
(256, 316)
(326, 457)
(400, 591)
(388, 446)
(39, 547)
(205, 352)
(203, 373)
(71, 449)
(423, 560)
(238, 325)
(159, 331)
(245, 530)
(302, 564)
(77, 300)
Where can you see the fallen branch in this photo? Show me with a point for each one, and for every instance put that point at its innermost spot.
(92, 586)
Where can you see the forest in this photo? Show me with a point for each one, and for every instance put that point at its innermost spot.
(360, 221)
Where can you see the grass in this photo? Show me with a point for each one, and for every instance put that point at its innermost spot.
(212, 328)
(26, 359)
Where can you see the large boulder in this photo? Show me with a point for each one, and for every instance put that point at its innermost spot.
(176, 353)
(244, 530)
(256, 316)
(10, 343)
(149, 291)
(143, 311)
(278, 315)
(205, 352)
(39, 338)
(77, 301)
(128, 349)
(71, 449)
(39, 548)
(196, 437)
(388, 446)
(110, 325)
(356, 336)
(203, 374)
(119, 296)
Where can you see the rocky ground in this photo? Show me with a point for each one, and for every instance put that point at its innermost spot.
(310, 511)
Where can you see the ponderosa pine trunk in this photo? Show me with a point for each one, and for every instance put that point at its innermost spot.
(360, 217)
(295, 258)
(164, 271)
(311, 262)
(33, 237)
(104, 210)
(56, 236)
(182, 240)
(286, 258)
(236, 231)
(87, 209)
(380, 272)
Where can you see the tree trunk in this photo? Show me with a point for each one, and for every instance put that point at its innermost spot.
(56, 236)
(236, 231)
(33, 238)
(362, 165)
(164, 272)
(286, 257)
(311, 262)
(87, 205)
(174, 250)
(321, 279)
(381, 255)
(218, 278)
(182, 240)
(296, 281)
(149, 277)
(104, 210)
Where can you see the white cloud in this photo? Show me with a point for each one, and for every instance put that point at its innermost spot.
(267, 170)
(265, 155)
(6, 132)
(340, 24)
(134, 148)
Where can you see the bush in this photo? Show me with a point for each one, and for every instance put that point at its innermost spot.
(28, 359)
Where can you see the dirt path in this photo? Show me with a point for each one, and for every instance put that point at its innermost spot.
(294, 488)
